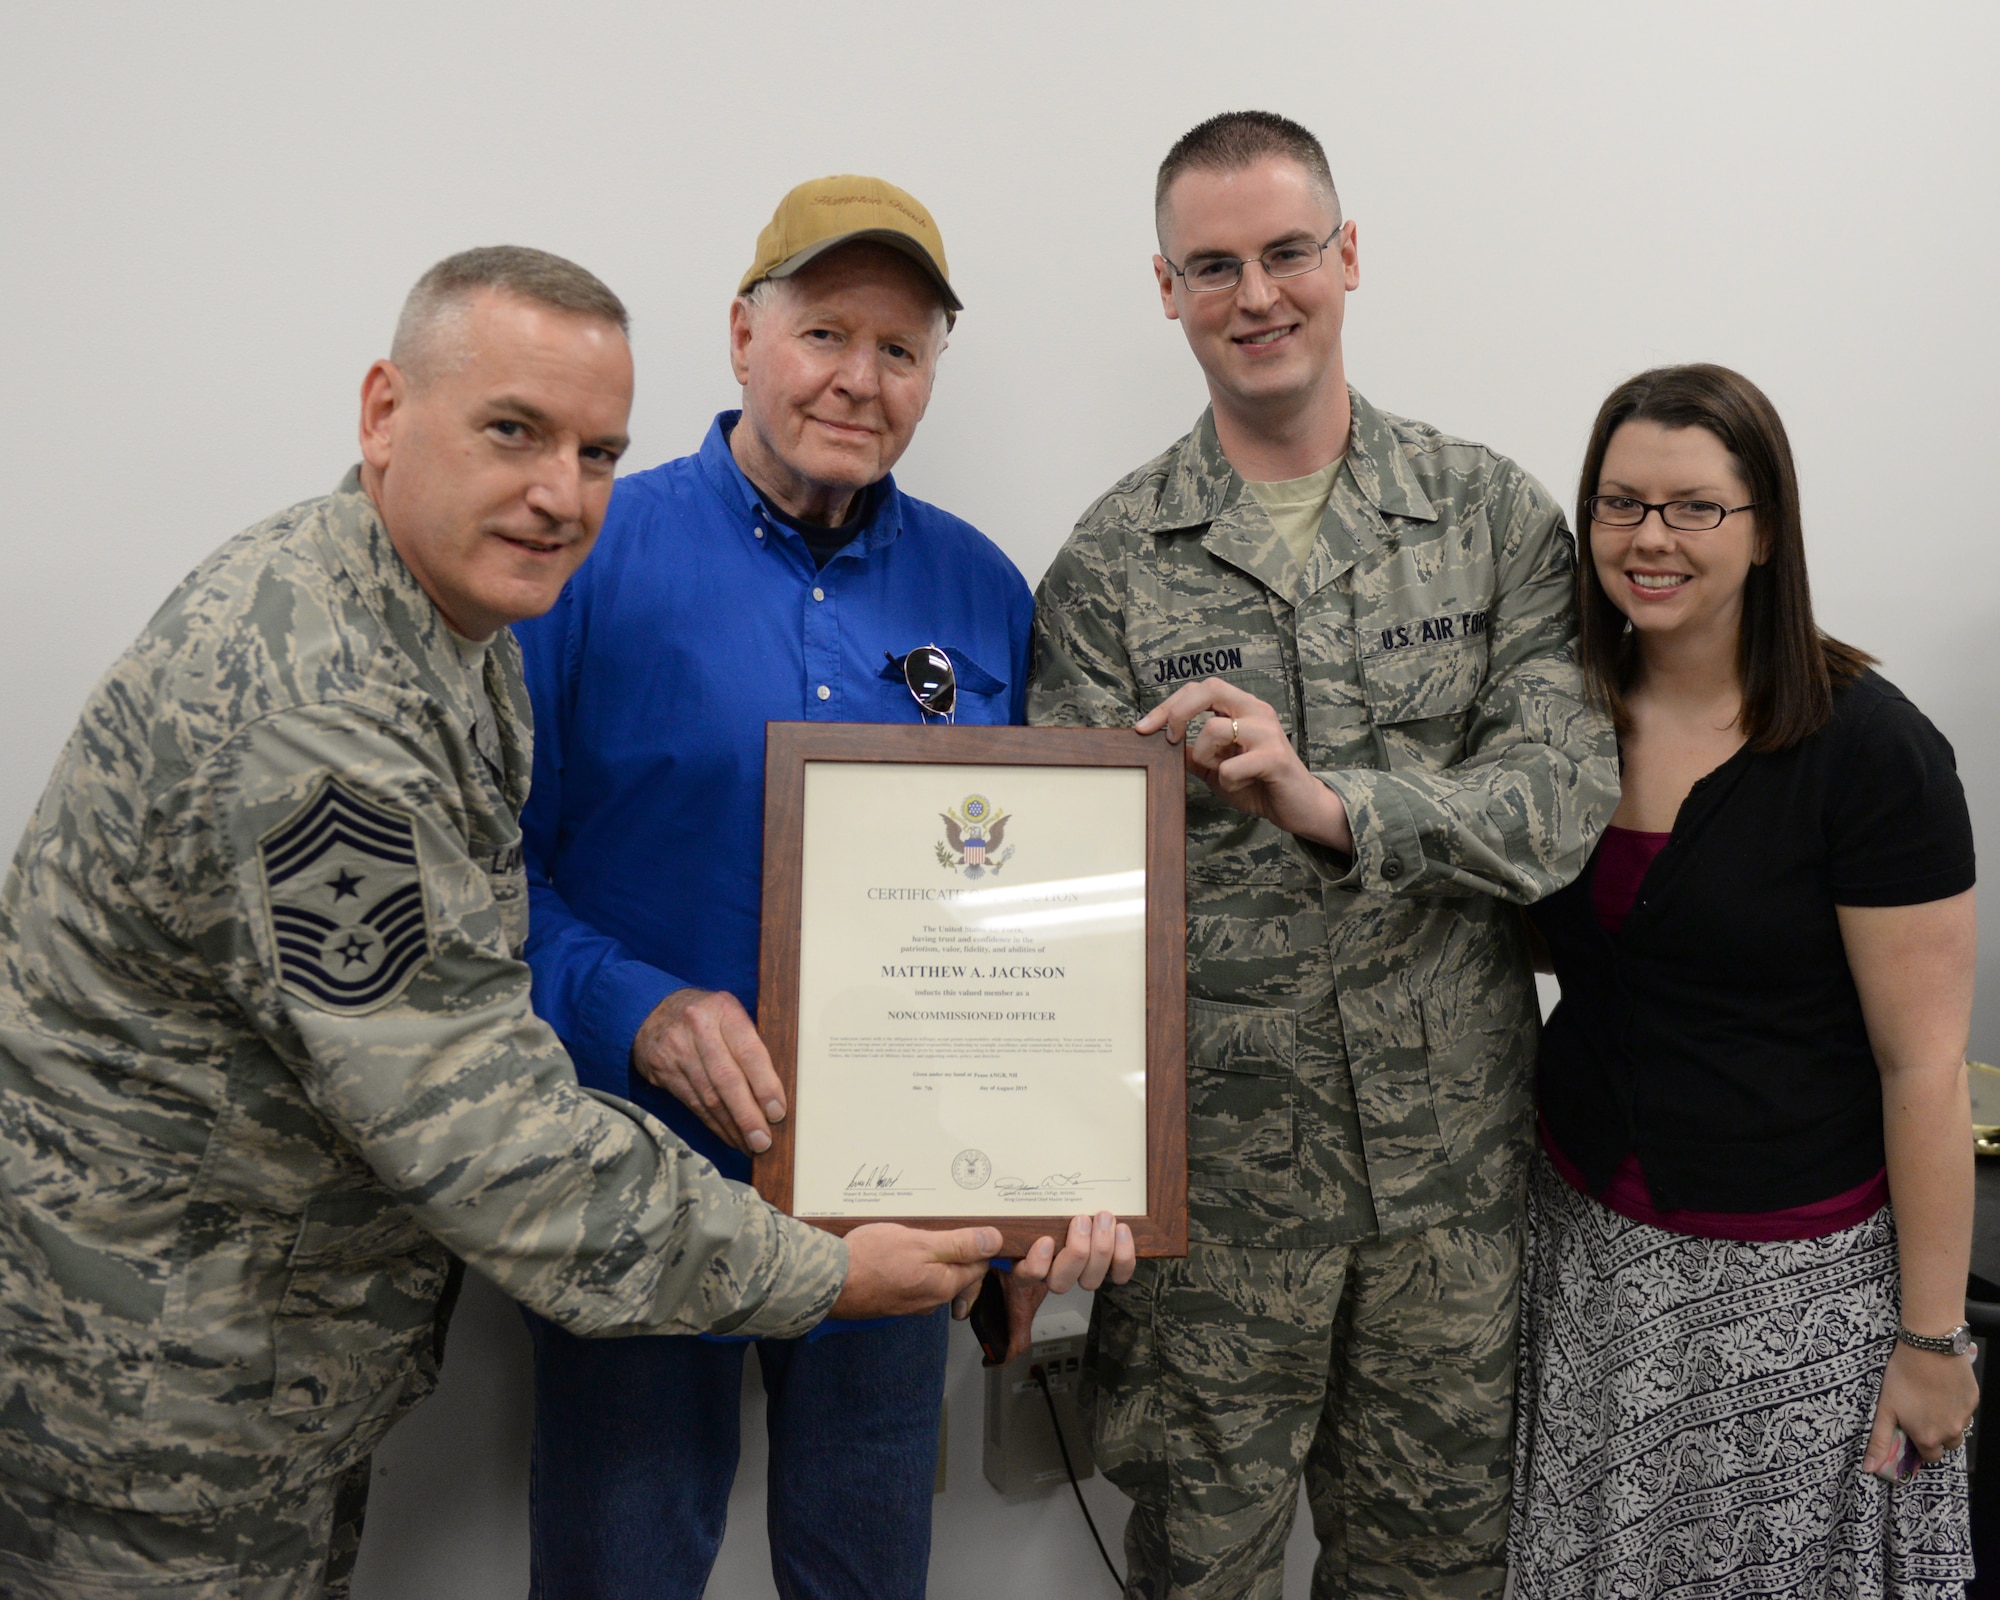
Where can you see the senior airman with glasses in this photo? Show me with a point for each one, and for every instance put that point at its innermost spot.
(1363, 631)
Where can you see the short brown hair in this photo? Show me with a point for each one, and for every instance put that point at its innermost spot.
(442, 294)
(1789, 668)
(1238, 139)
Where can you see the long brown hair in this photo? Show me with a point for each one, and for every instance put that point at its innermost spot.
(1789, 668)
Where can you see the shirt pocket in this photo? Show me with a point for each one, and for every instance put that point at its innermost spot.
(982, 695)
(1242, 1073)
(1480, 1024)
(360, 1303)
(1421, 700)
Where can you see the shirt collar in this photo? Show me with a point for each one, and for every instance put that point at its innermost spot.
(358, 545)
(725, 477)
(1201, 484)
(1380, 468)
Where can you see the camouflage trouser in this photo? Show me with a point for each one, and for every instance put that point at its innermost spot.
(289, 1547)
(1383, 1371)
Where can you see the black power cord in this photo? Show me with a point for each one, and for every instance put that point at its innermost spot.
(1076, 1488)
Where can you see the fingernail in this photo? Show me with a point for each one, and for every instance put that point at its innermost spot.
(760, 1141)
(774, 1110)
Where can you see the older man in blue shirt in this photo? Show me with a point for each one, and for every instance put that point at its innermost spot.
(778, 574)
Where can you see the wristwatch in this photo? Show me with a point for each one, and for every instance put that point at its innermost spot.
(1956, 1343)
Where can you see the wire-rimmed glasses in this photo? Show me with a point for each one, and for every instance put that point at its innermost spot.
(1292, 259)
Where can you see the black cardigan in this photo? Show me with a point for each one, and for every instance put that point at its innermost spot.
(1719, 1033)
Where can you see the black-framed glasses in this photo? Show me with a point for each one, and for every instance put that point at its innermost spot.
(1292, 259)
(1683, 516)
(934, 686)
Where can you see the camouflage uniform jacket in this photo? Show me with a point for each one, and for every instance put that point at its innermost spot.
(1361, 1031)
(266, 1052)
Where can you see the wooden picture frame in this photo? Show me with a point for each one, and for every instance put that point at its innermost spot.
(858, 756)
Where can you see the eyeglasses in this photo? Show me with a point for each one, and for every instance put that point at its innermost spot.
(1292, 259)
(934, 686)
(1683, 516)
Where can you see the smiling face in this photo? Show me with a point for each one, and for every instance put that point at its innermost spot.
(836, 366)
(1674, 585)
(492, 472)
(1270, 347)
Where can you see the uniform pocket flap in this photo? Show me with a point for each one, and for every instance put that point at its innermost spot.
(1259, 1040)
(359, 1311)
(1411, 685)
(354, 1225)
(1240, 1086)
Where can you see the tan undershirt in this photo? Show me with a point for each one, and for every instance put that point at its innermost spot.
(1296, 505)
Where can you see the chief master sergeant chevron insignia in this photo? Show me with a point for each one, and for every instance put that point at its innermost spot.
(346, 900)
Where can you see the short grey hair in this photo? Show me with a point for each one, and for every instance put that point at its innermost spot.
(1238, 139)
(438, 303)
(761, 293)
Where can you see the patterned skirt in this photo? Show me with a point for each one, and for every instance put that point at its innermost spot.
(1693, 1413)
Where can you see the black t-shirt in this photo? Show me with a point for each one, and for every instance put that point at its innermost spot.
(825, 542)
(1718, 1033)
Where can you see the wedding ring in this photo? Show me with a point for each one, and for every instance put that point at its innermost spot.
(1235, 731)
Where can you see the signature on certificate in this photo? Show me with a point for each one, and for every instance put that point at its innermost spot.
(875, 1175)
(1054, 1183)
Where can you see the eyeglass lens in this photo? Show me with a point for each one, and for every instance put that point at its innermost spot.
(1685, 516)
(927, 670)
(1288, 260)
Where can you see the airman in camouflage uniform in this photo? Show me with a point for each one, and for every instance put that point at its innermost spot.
(1363, 1018)
(268, 1071)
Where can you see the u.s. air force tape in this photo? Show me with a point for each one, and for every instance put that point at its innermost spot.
(346, 900)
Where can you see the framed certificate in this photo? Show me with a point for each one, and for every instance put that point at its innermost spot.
(973, 978)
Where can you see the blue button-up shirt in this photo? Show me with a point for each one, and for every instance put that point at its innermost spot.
(697, 619)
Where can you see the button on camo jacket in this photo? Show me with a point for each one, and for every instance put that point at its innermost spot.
(266, 1052)
(1361, 1032)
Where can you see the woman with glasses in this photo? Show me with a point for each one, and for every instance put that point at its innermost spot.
(1745, 1369)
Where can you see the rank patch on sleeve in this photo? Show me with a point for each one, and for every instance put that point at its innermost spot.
(346, 900)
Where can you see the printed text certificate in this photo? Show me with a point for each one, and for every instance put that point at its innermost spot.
(972, 991)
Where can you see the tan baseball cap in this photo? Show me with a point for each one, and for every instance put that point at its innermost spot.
(827, 212)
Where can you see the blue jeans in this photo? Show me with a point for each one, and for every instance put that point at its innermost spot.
(636, 1447)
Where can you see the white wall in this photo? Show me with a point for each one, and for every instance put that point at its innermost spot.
(212, 210)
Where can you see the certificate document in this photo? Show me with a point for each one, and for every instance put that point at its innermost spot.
(974, 977)
(972, 982)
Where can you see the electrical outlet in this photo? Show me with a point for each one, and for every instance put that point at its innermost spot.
(1021, 1453)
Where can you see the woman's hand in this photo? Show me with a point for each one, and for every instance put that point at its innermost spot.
(1930, 1396)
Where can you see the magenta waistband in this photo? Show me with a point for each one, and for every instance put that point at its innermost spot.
(1628, 1195)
